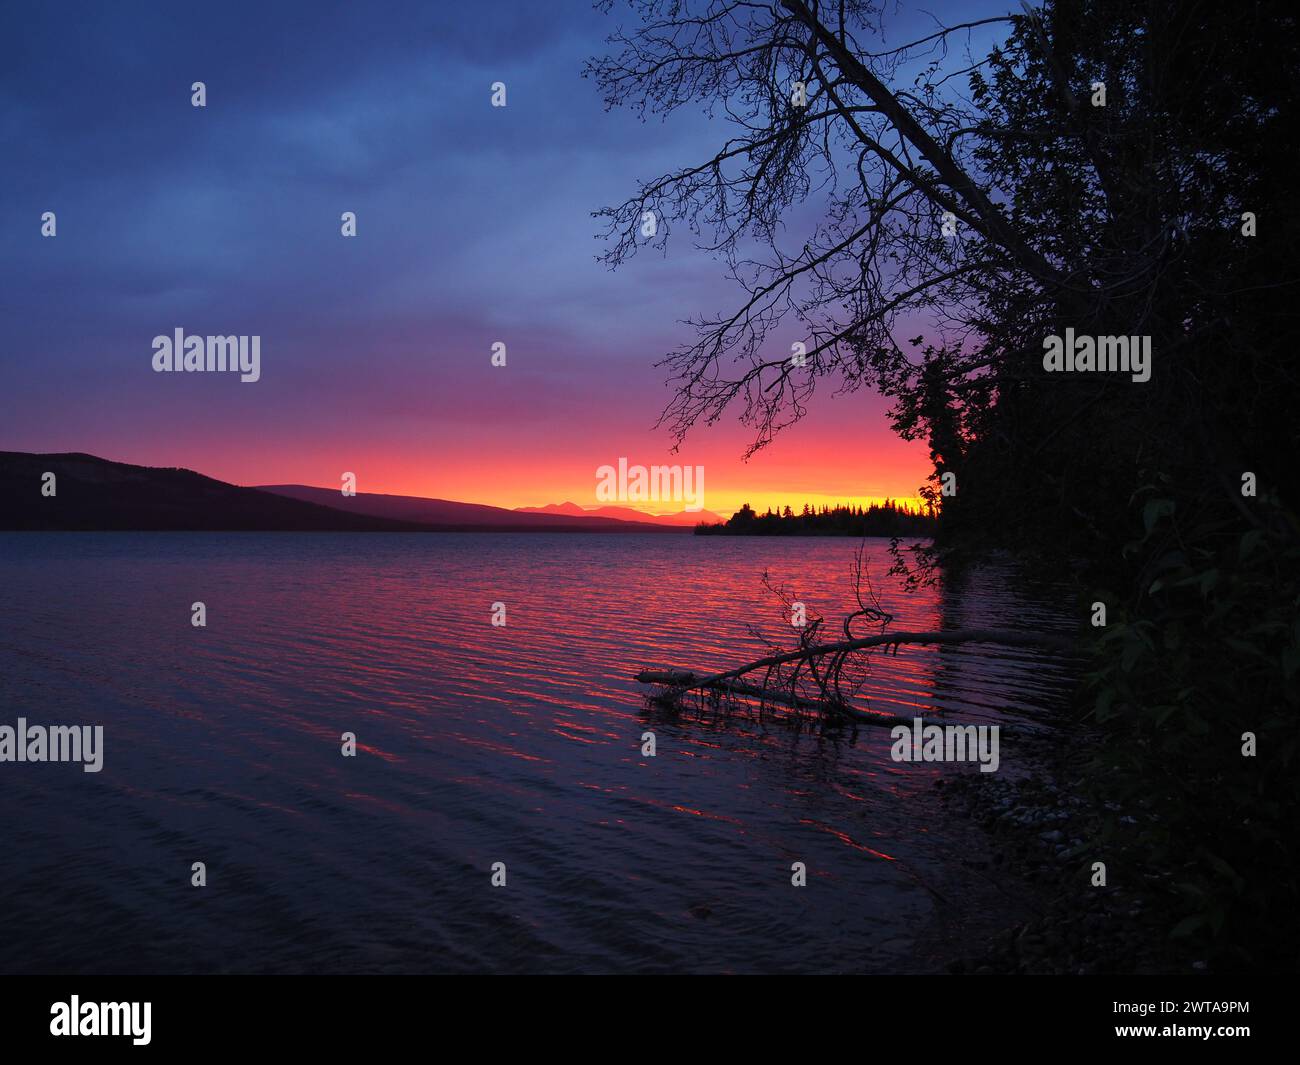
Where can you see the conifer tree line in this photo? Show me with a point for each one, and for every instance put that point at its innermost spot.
(887, 518)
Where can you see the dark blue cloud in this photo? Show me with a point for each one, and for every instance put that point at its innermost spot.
(474, 222)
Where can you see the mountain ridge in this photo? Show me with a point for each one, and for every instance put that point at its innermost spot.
(682, 518)
(426, 509)
(93, 494)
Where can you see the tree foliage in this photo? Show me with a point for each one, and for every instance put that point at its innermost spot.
(983, 202)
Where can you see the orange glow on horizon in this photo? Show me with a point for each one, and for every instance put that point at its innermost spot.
(728, 482)
(845, 452)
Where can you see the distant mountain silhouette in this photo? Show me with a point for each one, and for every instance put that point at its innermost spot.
(684, 519)
(448, 513)
(92, 493)
(572, 509)
(96, 494)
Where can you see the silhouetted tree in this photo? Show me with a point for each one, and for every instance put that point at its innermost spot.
(1122, 219)
(998, 200)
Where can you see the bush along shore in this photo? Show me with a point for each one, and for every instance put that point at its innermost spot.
(1158, 831)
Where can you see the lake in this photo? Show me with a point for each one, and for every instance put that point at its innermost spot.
(476, 744)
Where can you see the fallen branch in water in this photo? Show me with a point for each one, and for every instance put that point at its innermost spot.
(678, 682)
(827, 677)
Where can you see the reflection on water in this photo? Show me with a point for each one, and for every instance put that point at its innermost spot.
(477, 745)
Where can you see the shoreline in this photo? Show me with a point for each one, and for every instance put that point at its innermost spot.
(1044, 835)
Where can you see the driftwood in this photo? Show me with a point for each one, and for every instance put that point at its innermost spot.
(825, 678)
(677, 682)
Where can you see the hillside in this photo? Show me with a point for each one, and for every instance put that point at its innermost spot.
(92, 493)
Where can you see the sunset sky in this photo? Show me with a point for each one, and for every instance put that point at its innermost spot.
(474, 225)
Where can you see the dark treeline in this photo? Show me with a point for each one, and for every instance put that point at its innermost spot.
(878, 519)
(1118, 172)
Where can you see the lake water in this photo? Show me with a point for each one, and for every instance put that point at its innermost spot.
(477, 744)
